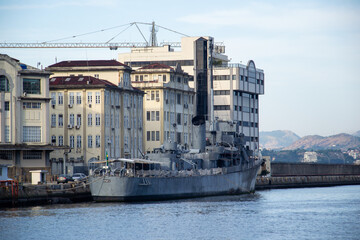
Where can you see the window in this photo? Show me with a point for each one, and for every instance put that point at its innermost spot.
(61, 121)
(31, 105)
(164, 78)
(222, 77)
(178, 98)
(152, 95)
(7, 106)
(72, 141)
(78, 98)
(152, 115)
(152, 135)
(89, 97)
(31, 133)
(97, 119)
(60, 99)
(222, 107)
(35, 154)
(97, 141)
(90, 141)
(4, 84)
(148, 115)
(97, 97)
(157, 96)
(148, 135)
(78, 141)
(71, 98)
(157, 118)
(221, 92)
(178, 118)
(71, 119)
(53, 98)
(61, 140)
(157, 136)
(53, 140)
(89, 119)
(53, 120)
(78, 120)
(6, 154)
(178, 138)
(31, 86)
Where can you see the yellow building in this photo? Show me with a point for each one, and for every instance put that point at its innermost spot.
(168, 104)
(98, 117)
(24, 118)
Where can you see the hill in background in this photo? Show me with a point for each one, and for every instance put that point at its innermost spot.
(340, 141)
(277, 139)
(288, 140)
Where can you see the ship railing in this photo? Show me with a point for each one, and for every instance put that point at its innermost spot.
(181, 173)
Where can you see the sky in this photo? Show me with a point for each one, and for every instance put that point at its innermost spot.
(309, 50)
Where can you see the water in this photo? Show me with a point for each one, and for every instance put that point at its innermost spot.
(308, 213)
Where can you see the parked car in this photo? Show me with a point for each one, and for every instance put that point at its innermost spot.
(64, 178)
(79, 177)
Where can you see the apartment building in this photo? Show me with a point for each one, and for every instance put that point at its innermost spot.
(168, 104)
(98, 117)
(236, 98)
(236, 86)
(24, 118)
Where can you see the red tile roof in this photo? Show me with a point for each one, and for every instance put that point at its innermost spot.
(156, 66)
(79, 80)
(88, 63)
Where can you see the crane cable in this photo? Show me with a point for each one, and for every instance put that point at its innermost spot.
(83, 34)
(102, 30)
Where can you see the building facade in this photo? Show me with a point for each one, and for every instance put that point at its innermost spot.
(236, 98)
(24, 118)
(99, 117)
(168, 104)
(236, 86)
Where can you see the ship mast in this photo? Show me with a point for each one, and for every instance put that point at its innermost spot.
(211, 112)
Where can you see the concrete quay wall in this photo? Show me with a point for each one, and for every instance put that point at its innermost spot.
(305, 181)
(313, 169)
(28, 194)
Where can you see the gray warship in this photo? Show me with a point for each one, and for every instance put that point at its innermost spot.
(218, 163)
(170, 172)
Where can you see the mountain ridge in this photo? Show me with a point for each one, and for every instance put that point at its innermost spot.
(288, 140)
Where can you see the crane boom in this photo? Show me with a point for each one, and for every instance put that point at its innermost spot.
(112, 46)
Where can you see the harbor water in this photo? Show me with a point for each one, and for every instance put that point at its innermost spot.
(299, 213)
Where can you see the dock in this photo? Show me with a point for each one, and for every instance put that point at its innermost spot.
(13, 194)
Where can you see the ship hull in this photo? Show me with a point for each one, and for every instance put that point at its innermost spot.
(114, 188)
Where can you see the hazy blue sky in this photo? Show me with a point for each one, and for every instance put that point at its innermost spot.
(309, 50)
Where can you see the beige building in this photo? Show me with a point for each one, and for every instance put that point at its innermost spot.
(24, 118)
(168, 104)
(236, 86)
(97, 116)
